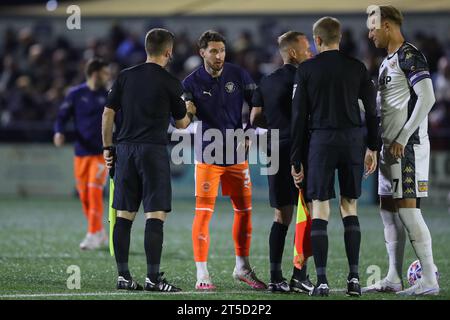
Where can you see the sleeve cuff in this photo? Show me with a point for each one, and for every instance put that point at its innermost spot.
(402, 138)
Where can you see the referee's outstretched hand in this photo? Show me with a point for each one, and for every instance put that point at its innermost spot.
(298, 176)
(370, 162)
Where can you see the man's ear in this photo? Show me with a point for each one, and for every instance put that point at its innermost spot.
(292, 53)
(317, 41)
(202, 52)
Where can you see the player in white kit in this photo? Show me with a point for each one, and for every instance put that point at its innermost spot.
(405, 94)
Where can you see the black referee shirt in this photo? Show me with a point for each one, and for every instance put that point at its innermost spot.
(147, 95)
(274, 96)
(326, 92)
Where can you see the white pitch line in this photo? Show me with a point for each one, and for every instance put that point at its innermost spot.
(131, 293)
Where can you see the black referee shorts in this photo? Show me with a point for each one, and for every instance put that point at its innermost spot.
(331, 150)
(142, 173)
(282, 190)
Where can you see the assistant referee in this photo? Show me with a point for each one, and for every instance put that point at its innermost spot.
(148, 96)
(326, 93)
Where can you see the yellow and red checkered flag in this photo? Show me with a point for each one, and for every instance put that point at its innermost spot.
(302, 242)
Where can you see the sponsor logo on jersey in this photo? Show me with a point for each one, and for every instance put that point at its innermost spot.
(383, 81)
(423, 186)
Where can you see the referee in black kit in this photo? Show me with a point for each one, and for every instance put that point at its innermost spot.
(326, 92)
(272, 109)
(147, 95)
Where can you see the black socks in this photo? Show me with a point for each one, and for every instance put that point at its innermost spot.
(352, 238)
(153, 242)
(276, 246)
(121, 242)
(319, 241)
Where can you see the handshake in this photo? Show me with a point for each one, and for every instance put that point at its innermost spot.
(191, 110)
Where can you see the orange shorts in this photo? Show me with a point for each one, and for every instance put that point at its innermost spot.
(235, 180)
(90, 171)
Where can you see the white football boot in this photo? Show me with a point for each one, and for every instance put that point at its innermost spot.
(383, 286)
(90, 242)
(420, 289)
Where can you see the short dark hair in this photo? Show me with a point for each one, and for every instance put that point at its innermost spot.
(157, 40)
(391, 13)
(210, 36)
(94, 65)
(328, 29)
(288, 38)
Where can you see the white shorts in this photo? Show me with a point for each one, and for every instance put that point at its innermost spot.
(406, 177)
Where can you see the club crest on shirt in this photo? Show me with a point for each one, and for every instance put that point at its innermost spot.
(230, 87)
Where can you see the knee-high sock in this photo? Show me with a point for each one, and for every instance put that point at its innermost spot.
(394, 236)
(242, 229)
(121, 241)
(95, 203)
(319, 241)
(420, 238)
(276, 246)
(153, 242)
(352, 238)
(204, 208)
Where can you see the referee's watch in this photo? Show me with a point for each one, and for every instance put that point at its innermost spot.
(109, 148)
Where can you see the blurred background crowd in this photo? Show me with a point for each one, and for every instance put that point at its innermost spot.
(37, 67)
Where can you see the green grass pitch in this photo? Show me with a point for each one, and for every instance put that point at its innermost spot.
(39, 240)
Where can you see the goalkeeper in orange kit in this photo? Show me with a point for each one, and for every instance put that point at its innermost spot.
(272, 110)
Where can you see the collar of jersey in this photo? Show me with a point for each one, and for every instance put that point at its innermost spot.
(392, 55)
(204, 74)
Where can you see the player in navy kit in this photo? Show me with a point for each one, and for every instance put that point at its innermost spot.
(219, 90)
(84, 105)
